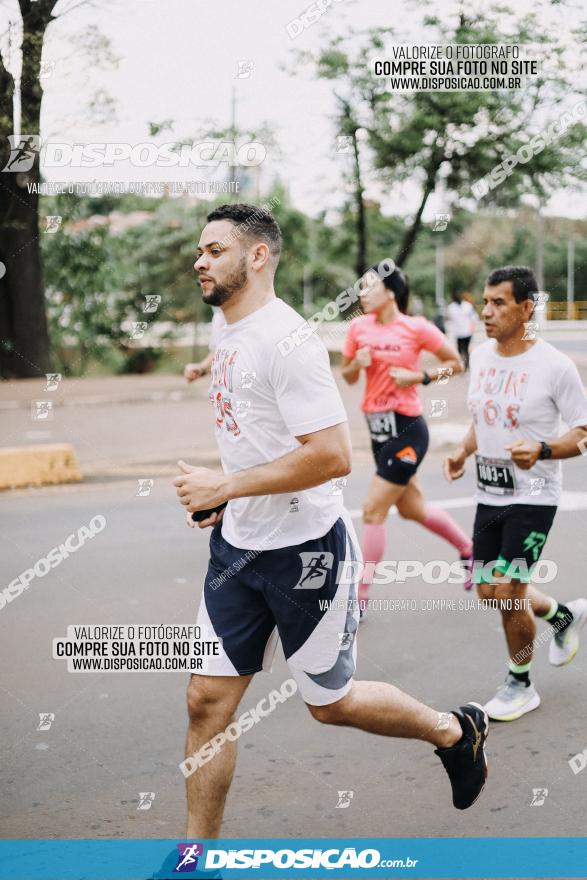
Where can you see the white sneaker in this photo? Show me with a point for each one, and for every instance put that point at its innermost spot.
(565, 645)
(512, 700)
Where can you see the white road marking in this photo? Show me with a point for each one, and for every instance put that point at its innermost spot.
(569, 501)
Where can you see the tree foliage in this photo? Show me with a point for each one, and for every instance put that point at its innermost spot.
(455, 138)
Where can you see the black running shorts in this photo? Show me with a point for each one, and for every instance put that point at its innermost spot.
(509, 539)
(399, 444)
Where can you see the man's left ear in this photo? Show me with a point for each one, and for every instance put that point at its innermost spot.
(260, 256)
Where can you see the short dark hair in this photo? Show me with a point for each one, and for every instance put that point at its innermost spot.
(524, 283)
(253, 222)
(398, 282)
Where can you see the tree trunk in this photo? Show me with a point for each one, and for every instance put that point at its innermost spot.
(361, 263)
(6, 126)
(24, 338)
(411, 234)
(350, 127)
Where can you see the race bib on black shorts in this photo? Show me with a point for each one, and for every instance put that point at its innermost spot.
(382, 426)
(495, 475)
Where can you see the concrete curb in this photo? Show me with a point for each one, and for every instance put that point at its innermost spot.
(49, 464)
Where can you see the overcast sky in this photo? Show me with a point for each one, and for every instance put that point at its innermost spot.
(179, 61)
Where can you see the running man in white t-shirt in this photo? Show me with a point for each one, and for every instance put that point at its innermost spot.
(279, 548)
(520, 388)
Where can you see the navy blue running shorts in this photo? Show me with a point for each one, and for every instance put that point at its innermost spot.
(304, 595)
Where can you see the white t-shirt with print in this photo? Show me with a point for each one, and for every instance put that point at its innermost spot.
(217, 325)
(262, 402)
(523, 398)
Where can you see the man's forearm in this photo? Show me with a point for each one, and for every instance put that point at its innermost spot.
(300, 469)
(470, 442)
(570, 444)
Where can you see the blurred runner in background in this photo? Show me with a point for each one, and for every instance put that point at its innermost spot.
(463, 320)
(386, 343)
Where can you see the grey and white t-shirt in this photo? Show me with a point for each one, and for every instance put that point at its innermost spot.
(522, 398)
(263, 400)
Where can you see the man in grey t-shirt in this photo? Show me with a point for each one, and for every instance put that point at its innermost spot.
(520, 388)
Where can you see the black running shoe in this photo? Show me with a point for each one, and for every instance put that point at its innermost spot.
(465, 762)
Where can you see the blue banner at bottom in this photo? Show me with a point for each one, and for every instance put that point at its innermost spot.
(484, 857)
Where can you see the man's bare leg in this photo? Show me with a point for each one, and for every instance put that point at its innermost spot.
(539, 601)
(517, 695)
(381, 708)
(519, 623)
(212, 702)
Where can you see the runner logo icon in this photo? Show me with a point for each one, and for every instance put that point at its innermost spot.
(345, 640)
(46, 719)
(344, 799)
(539, 796)
(146, 799)
(23, 151)
(315, 567)
(188, 857)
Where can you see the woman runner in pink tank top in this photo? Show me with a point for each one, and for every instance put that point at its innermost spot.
(386, 343)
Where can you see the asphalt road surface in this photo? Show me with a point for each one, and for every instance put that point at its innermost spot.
(118, 734)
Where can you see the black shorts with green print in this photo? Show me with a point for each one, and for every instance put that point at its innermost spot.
(509, 539)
